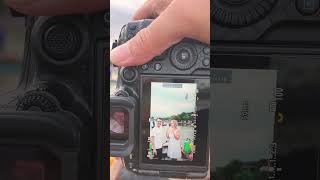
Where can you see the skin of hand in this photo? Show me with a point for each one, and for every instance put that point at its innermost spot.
(175, 20)
(116, 168)
(57, 7)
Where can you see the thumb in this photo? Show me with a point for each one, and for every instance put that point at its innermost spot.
(149, 42)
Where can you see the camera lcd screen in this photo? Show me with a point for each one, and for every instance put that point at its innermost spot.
(174, 113)
(244, 124)
(172, 121)
(265, 122)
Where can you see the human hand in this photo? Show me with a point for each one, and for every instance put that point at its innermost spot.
(175, 20)
(115, 168)
(155, 152)
(56, 7)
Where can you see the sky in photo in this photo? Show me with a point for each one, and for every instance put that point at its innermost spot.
(166, 102)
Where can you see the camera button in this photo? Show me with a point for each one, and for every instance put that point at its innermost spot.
(206, 62)
(184, 56)
(206, 51)
(145, 67)
(132, 27)
(129, 74)
(130, 35)
(157, 66)
(62, 42)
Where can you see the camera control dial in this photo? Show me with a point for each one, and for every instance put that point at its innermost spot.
(38, 101)
(240, 12)
(62, 42)
(184, 56)
(128, 74)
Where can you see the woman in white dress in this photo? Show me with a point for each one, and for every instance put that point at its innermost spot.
(174, 146)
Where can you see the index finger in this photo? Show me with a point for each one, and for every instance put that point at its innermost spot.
(151, 9)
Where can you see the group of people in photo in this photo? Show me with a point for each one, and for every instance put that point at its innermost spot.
(166, 144)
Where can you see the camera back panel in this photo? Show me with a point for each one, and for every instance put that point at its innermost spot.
(265, 21)
(187, 62)
(57, 94)
(265, 55)
(188, 57)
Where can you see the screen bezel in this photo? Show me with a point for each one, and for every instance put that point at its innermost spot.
(200, 157)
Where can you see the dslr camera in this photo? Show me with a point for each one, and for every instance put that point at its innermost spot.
(159, 114)
(265, 89)
(48, 124)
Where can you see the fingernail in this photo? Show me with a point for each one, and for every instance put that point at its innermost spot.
(120, 54)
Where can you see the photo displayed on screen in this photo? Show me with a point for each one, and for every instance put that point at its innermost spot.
(172, 121)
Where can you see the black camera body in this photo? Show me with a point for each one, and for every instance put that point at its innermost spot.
(183, 67)
(48, 123)
(265, 63)
(265, 21)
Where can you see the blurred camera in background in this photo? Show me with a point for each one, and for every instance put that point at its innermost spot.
(12, 36)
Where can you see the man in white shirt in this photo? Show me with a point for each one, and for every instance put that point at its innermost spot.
(156, 139)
